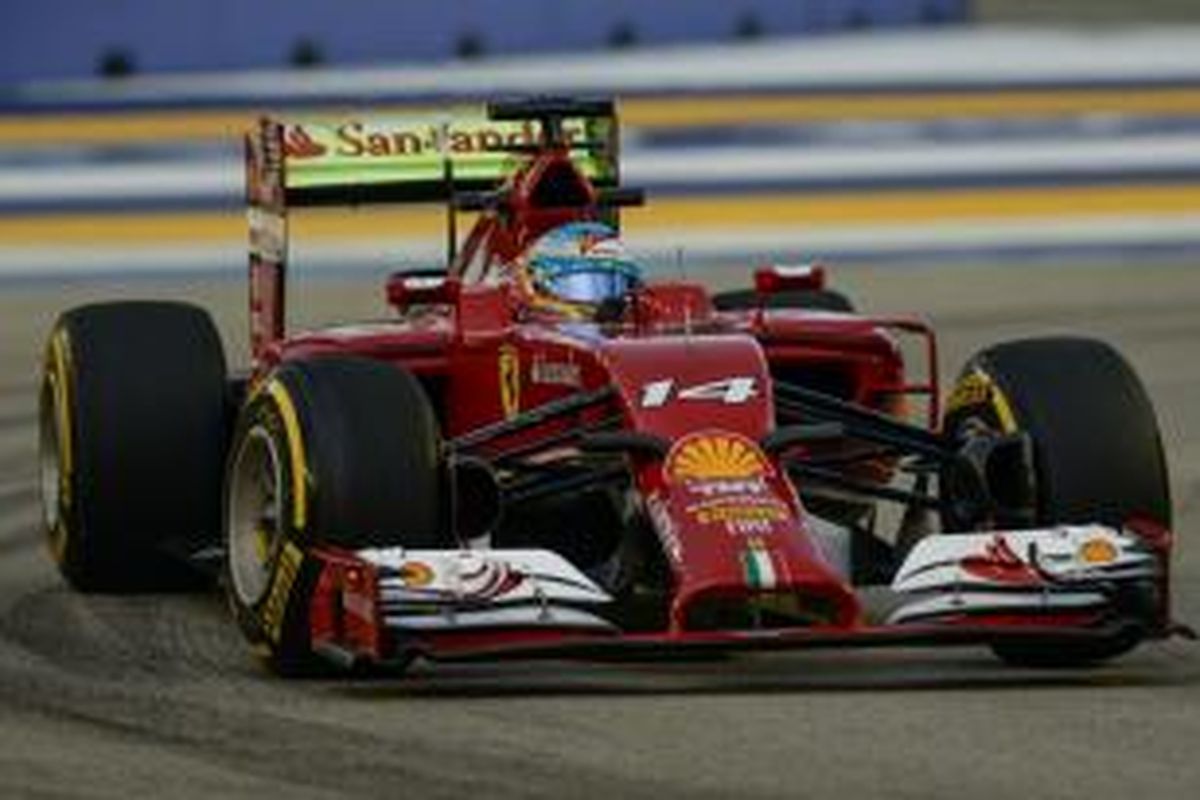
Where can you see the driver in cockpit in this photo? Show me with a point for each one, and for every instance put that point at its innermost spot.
(581, 270)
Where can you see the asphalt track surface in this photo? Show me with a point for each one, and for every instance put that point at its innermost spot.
(156, 696)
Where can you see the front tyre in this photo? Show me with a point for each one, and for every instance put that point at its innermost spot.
(333, 451)
(1098, 454)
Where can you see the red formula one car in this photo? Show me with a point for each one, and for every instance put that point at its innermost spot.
(543, 453)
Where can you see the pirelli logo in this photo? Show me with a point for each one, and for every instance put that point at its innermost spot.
(274, 610)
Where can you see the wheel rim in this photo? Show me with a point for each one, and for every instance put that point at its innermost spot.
(50, 459)
(255, 512)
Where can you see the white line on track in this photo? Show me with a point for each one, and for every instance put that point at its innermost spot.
(221, 179)
(992, 237)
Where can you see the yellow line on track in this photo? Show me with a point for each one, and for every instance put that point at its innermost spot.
(848, 208)
(121, 127)
(686, 112)
(646, 113)
(768, 210)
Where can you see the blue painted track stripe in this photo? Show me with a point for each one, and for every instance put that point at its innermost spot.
(43, 100)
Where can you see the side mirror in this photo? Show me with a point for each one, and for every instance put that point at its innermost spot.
(788, 277)
(422, 287)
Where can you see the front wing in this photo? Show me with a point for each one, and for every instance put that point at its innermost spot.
(1051, 586)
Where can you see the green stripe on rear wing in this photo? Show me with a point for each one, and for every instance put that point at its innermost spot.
(404, 159)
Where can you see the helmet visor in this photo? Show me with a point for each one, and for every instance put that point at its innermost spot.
(589, 281)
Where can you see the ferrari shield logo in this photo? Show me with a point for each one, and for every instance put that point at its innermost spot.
(510, 380)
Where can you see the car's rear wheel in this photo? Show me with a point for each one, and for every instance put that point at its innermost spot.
(812, 299)
(332, 451)
(1097, 452)
(132, 432)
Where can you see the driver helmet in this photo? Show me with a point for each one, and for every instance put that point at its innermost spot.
(582, 264)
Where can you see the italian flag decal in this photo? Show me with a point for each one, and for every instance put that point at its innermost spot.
(756, 559)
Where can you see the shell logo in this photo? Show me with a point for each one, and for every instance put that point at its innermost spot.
(1098, 551)
(715, 456)
(416, 574)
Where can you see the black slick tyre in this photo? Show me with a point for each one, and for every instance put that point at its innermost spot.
(335, 451)
(1098, 454)
(132, 432)
(811, 299)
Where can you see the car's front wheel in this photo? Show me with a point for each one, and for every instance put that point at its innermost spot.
(1097, 452)
(332, 451)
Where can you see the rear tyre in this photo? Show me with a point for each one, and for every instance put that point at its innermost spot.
(132, 432)
(1098, 455)
(333, 451)
(812, 299)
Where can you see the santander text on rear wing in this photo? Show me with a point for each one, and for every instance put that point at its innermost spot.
(367, 159)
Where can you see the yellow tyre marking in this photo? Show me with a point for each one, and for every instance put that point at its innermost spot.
(60, 348)
(60, 359)
(291, 427)
(1004, 412)
(977, 389)
(971, 390)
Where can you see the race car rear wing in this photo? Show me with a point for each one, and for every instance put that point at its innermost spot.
(293, 163)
